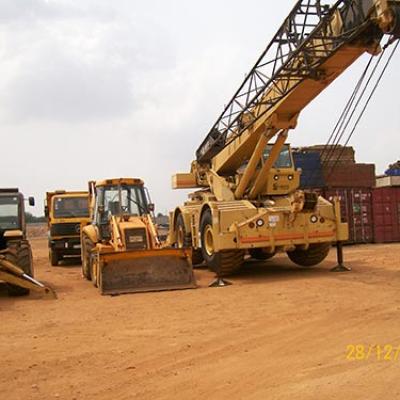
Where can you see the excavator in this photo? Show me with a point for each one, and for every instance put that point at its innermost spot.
(248, 199)
(121, 249)
(16, 268)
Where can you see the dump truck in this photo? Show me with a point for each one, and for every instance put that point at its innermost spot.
(65, 212)
(16, 267)
(121, 250)
(247, 198)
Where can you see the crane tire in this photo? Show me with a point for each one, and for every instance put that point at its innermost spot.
(314, 255)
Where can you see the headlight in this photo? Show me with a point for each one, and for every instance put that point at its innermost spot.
(260, 222)
(314, 219)
(276, 177)
(290, 177)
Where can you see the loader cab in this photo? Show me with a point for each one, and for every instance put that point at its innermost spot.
(120, 200)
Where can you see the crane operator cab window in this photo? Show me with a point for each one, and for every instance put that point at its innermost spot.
(128, 200)
(284, 159)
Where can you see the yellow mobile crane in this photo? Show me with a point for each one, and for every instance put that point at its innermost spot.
(249, 199)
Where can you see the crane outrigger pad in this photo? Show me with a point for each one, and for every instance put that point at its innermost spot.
(145, 271)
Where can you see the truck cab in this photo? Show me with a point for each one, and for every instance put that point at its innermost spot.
(65, 212)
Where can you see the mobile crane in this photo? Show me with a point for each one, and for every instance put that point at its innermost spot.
(248, 198)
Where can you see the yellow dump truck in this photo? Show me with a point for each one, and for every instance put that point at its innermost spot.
(121, 249)
(65, 212)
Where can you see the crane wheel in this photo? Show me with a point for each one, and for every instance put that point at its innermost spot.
(19, 253)
(223, 263)
(260, 254)
(184, 240)
(314, 255)
(87, 246)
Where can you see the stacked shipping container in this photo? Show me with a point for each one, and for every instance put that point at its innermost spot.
(344, 178)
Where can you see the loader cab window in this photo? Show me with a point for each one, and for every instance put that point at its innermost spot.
(9, 213)
(284, 159)
(128, 200)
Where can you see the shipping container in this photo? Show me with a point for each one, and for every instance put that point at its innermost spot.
(356, 210)
(386, 210)
(385, 181)
(349, 176)
(330, 154)
(310, 164)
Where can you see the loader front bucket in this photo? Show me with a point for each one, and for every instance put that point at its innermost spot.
(145, 271)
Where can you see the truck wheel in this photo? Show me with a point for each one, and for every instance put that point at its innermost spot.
(53, 256)
(184, 240)
(314, 255)
(223, 263)
(20, 254)
(260, 254)
(87, 246)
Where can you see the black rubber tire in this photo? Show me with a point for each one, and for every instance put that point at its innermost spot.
(197, 257)
(223, 263)
(20, 254)
(260, 254)
(314, 255)
(87, 246)
(53, 257)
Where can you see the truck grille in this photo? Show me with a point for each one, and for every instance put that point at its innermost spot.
(136, 239)
(65, 229)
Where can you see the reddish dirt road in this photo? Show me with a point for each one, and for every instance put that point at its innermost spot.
(279, 332)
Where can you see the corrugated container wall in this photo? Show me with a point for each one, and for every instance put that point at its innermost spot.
(386, 208)
(351, 175)
(356, 210)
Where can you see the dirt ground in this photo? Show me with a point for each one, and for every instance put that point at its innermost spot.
(279, 332)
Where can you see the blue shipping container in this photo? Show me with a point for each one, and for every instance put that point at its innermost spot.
(393, 172)
(310, 164)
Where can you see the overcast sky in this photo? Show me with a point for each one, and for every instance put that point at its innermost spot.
(92, 89)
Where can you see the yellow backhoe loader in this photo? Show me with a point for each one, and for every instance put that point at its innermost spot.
(121, 251)
(16, 268)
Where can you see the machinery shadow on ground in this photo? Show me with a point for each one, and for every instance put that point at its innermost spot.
(32, 296)
(70, 262)
(276, 270)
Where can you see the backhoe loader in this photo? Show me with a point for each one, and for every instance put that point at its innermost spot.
(121, 251)
(16, 268)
